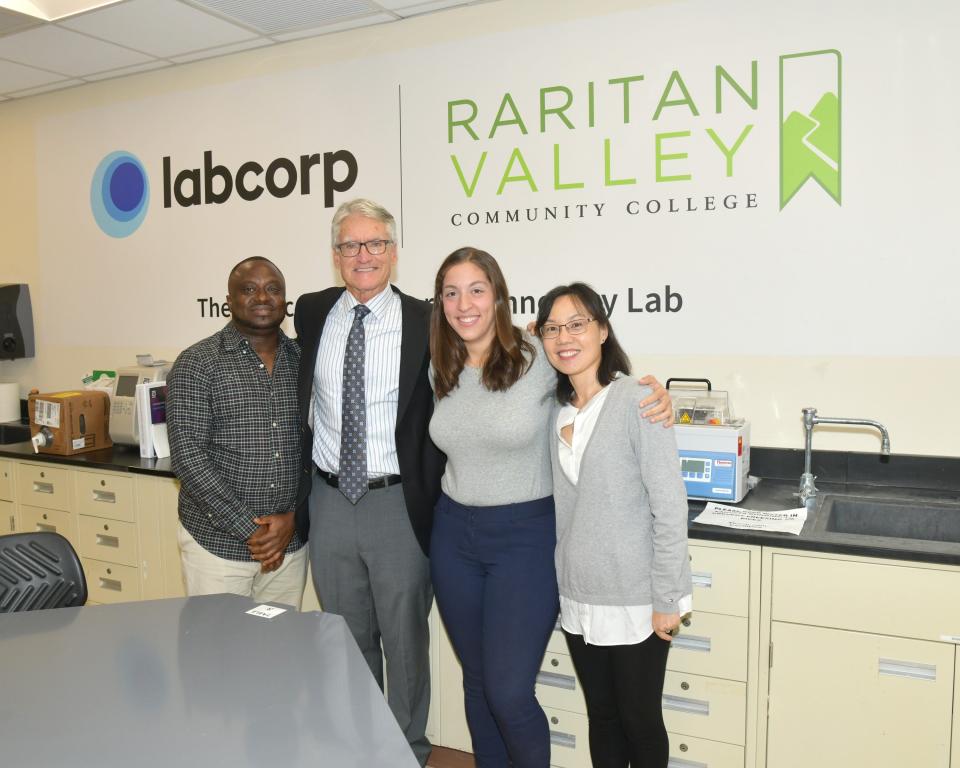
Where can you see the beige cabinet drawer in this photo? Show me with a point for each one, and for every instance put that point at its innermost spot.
(105, 494)
(705, 707)
(6, 480)
(557, 684)
(879, 597)
(40, 519)
(44, 486)
(721, 579)
(109, 540)
(8, 518)
(837, 695)
(691, 752)
(111, 583)
(569, 738)
(711, 644)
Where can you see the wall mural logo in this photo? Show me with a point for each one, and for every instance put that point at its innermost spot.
(119, 194)
(504, 172)
(810, 98)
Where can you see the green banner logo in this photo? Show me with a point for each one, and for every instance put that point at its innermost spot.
(810, 99)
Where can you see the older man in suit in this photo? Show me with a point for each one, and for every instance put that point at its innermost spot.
(371, 474)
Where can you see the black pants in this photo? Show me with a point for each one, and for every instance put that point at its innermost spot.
(623, 686)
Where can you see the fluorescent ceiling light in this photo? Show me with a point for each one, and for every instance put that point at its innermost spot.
(52, 10)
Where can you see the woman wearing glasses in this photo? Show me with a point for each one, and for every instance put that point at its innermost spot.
(621, 554)
(492, 549)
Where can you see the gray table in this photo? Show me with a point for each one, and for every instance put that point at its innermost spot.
(189, 682)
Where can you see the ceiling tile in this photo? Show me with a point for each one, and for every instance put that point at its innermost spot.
(161, 28)
(16, 77)
(280, 16)
(124, 71)
(61, 50)
(415, 9)
(11, 21)
(223, 50)
(45, 88)
(339, 26)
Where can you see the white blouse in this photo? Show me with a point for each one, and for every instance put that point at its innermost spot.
(599, 624)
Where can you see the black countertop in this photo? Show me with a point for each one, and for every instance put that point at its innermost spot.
(908, 478)
(120, 458)
(775, 494)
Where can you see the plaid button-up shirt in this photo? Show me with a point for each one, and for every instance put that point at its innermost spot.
(234, 441)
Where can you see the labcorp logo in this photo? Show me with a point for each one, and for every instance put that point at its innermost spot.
(119, 194)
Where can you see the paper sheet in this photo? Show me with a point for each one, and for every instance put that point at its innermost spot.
(783, 521)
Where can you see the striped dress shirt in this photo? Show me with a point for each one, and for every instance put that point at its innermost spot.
(383, 329)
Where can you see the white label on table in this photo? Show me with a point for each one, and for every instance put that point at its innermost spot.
(785, 521)
(266, 611)
(951, 639)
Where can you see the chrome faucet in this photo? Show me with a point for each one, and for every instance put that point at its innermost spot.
(810, 419)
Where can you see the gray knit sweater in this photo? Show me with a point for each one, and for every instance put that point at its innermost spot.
(622, 530)
(497, 443)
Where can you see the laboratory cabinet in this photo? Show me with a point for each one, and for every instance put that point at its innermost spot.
(115, 520)
(710, 698)
(861, 661)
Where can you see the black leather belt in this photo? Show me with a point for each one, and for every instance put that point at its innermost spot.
(378, 482)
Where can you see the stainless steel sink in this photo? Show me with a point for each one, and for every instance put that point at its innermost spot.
(14, 433)
(916, 519)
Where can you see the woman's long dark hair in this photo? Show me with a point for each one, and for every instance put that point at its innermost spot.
(613, 359)
(510, 354)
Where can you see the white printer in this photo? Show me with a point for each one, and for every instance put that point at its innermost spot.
(123, 402)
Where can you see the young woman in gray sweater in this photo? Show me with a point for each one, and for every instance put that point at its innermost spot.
(621, 509)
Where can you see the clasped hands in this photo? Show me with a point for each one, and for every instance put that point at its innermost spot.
(268, 543)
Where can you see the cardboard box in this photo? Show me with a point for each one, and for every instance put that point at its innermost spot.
(66, 423)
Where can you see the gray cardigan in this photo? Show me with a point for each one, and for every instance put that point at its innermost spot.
(622, 530)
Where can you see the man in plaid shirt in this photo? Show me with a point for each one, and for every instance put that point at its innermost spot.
(234, 445)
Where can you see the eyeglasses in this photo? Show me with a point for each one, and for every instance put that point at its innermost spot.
(574, 328)
(350, 250)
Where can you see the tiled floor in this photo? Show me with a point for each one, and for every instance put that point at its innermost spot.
(441, 757)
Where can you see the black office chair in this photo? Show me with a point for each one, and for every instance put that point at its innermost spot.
(39, 570)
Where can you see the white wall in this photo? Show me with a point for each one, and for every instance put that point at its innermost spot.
(769, 382)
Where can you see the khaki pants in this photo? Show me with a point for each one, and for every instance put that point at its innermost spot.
(207, 574)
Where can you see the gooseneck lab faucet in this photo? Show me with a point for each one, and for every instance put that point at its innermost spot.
(808, 490)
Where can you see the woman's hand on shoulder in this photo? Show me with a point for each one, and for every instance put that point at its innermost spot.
(657, 406)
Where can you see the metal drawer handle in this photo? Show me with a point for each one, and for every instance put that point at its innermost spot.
(676, 762)
(689, 706)
(45, 527)
(108, 497)
(555, 680)
(108, 541)
(111, 584)
(691, 643)
(702, 579)
(39, 487)
(911, 669)
(559, 739)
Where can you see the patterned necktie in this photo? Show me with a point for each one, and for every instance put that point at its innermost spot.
(353, 430)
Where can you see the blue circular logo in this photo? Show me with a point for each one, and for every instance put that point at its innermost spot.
(119, 194)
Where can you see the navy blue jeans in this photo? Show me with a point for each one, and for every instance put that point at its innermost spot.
(496, 587)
